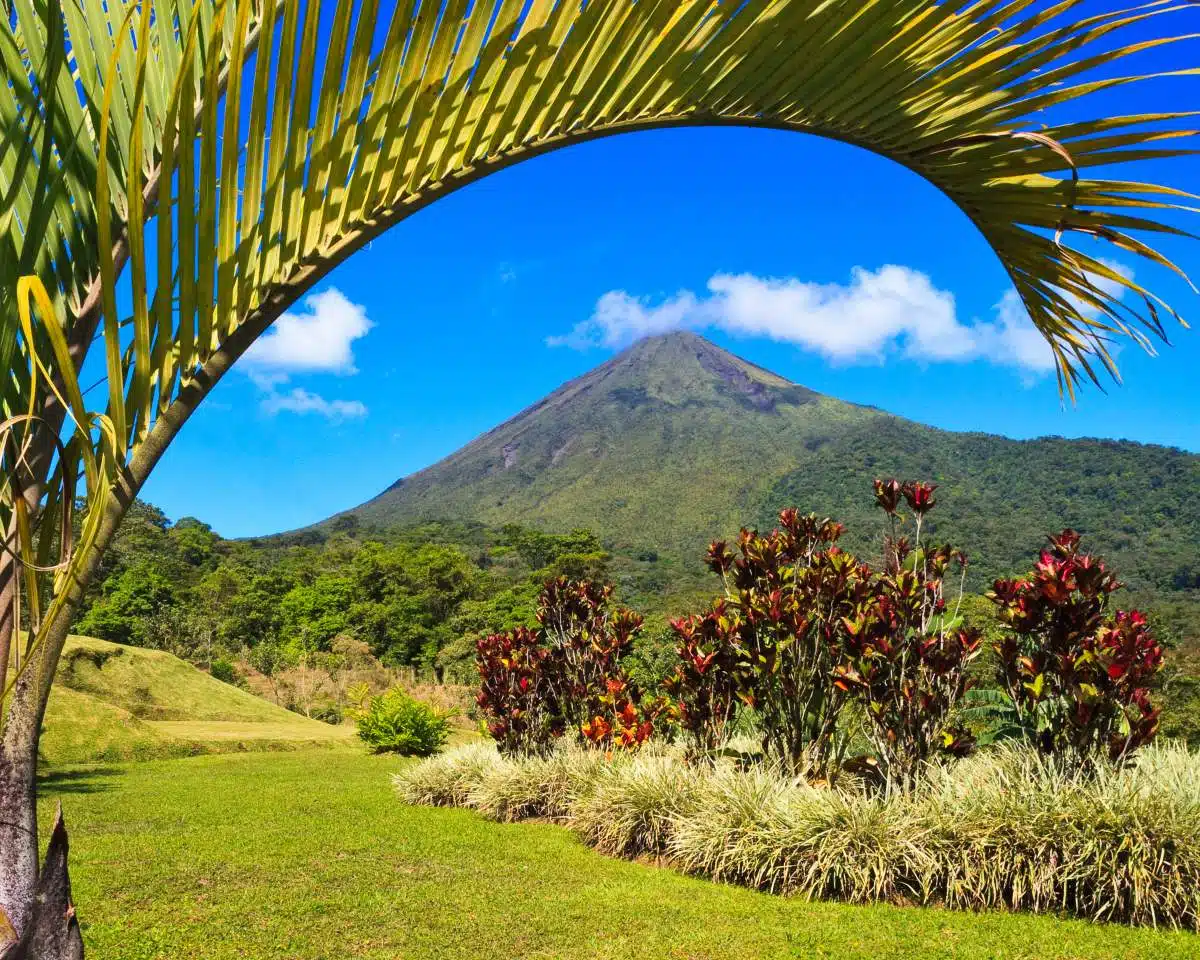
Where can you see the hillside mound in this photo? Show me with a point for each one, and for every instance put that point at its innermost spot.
(112, 702)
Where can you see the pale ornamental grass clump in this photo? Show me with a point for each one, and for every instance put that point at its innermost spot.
(760, 828)
(632, 806)
(537, 787)
(1005, 829)
(1012, 829)
(447, 779)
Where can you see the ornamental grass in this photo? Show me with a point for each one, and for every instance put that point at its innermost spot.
(1004, 829)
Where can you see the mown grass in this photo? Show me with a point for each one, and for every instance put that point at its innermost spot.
(115, 703)
(310, 855)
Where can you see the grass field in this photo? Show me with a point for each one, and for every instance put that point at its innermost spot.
(310, 855)
(114, 703)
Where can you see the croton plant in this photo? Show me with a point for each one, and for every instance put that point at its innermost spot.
(806, 628)
(565, 677)
(903, 654)
(1078, 675)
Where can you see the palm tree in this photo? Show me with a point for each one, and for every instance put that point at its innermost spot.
(209, 161)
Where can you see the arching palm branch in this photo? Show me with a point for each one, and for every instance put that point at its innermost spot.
(220, 157)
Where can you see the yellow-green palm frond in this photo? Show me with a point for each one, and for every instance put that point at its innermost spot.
(344, 131)
(42, 544)
(227, 154)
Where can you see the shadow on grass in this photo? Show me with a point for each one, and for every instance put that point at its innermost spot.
(90, 780)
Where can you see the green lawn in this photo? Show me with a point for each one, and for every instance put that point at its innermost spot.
(310, 855)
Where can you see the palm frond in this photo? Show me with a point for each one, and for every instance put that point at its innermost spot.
(229, 154)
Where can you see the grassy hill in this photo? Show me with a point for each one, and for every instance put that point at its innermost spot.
(112, 702)
(675, 442)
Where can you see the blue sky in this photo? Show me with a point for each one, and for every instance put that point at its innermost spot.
(862, 281)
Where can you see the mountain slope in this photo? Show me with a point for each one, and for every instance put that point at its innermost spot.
(675, 441)
(663, 447)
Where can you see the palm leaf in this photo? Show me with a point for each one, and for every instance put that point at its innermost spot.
(231, 153)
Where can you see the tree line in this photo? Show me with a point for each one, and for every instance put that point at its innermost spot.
(417, 597)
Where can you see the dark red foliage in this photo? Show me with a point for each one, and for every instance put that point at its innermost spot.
(768, 643)
(903, 655)
(806, 626)
(1078, 677)
(705, 684)
(887, 495)
(919, 496)
(514, 695)
(571, 666)
(586, 639)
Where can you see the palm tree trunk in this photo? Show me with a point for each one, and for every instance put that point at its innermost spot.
(37, 918)
(18, 836)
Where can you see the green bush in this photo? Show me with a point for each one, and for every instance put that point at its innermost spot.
(396, 723)
(328, 712)
(224, 670)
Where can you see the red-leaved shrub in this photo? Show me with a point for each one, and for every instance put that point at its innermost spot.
(904, 655)
(515, 695)
(806, 627)
(565, 678)
(704, 686)
(1078, 677)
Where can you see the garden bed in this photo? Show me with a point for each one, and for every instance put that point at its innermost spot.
(1004, 829)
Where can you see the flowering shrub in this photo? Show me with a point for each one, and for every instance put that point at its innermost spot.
(1078, 677)
(566, 676)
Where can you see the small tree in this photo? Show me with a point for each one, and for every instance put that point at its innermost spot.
(1078, 678)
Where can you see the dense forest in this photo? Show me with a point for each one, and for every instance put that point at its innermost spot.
(998, 500)
(418, 597)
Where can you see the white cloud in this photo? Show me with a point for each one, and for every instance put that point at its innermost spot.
(1013, 339)
(299, 400)
(318, 340)
(892, 310)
